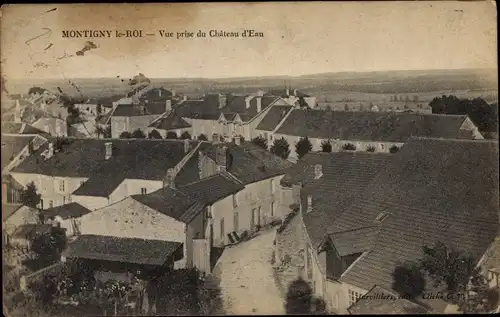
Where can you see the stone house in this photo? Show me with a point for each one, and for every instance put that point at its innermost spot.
(96, 173)
(358, 228)
(66, 216)
(378, 130)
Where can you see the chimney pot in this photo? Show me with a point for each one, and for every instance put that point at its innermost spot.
(187, 145)
(287, 92)
(168, 105)
(159, 92)
(221, 158)
(237, 140)
(17, 113)
(318, 171)
(173, 93)
(295, 92)
(309, 203)
(259, 104)
(184, 98)
(109, 150)
(222, 100)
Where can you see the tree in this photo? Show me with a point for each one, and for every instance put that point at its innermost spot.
(36, 90)
(281, 148)
(138, 134)
(30, 197)
(125, 135)
(202, 137)
(154, 134)
(349, 147)
(48, 246)
(260, 141)
(300, 300)
(185, 136)
(408, 280)
(326, 146)
(171, 135)
(394, 149)
(99, 109)
(302, 147)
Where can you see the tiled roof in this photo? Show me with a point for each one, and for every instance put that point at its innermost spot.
(190, 171)
(86, 158)
(157, 94)
(71, 210)
(10, 127)
(105, 101)
(373, 126)
(354, 241)
(273, 118)
(250, 163)
(379, 301)
(434, 190)
(170, 122)
(12, 145)
(237, 104)
(283, 93)
(345, 175)
(125, 250)
(211, 189)
(206, 109)
(173, 203)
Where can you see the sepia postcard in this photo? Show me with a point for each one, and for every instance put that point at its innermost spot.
(250, 158)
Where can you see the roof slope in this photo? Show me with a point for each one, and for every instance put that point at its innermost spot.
(9, 127)
(345, 175)
(205, 109)
(434, 190)
(71, 210)
(128, 250)
(211, 189)
(170, 122)
(250, 163)
(238, 105)
(273, 118)
(374, 126)
(12, 145)
(354, 241)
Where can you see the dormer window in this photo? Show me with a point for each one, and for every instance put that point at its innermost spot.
(381, 216)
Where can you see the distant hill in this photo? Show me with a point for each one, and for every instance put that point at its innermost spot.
(380, 82)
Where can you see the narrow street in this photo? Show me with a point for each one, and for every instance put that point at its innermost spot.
(246, 277)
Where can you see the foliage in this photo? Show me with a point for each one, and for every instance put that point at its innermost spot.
(171, 135)
(202, 137)
(394, 149)
(370, 148)
(300, 300)
(185, 136)
(408, 280)
(36, 90)
(260, 141)
(125, 135)
(349, 147)
(99, 109)
(484, 115)
(154, 134)
(281, 148)
(138, 134)
(29, 196)
(48, 246)
(302, 147)
(326, 146)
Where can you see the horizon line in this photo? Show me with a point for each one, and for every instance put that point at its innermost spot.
(277, 75)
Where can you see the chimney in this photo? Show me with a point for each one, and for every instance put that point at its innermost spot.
(222, 101)
(237, 140)
(184, 98)
(51, 150)
(173, 93)
(318, 171)
(187, 145)
(17, 113)
(170, 179)
(220, 158)
(159, 92)
(109, 150)
(260, 93)
(247, 101)
(295, 92)
(168, 105)
(309, 203)
(287, 92)
(259, 104)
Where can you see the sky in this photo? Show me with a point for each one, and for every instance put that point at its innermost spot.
(299, 38)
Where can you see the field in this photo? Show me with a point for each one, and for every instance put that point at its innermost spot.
(376, 87)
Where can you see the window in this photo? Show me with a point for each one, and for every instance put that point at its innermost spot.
(51, 203)
(353, 297)
(61, 186)
(143, 191)
(235, 221)
(270, 137)
(235, 200)
(69, 198)
(222, 231)
(272, 186)
(273, 208)
(64, 200)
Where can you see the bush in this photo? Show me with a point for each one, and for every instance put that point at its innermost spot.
(281, 148)
(303, 147)
(202, 137)
(171, 135)
(370, 149)
(154, 134)
(125, 135)
(138, 134)
(349, 147)
(326, 146)
(185, 136)
(260, 141)
(394, 149)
